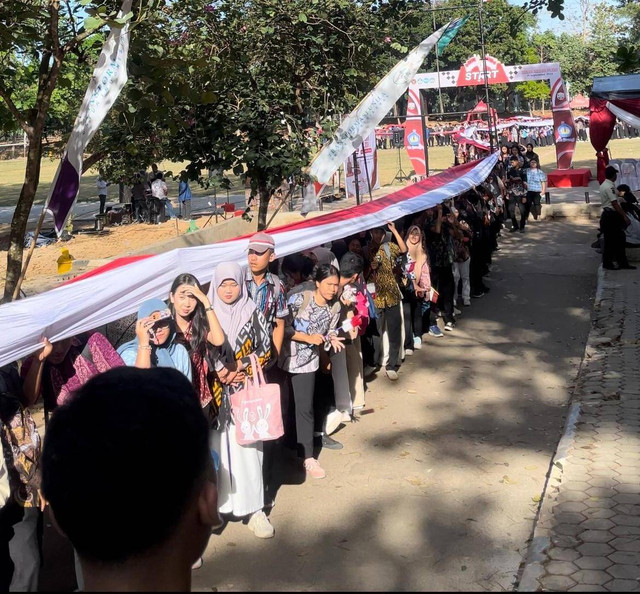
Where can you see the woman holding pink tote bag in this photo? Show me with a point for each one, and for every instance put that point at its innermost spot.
(240, 488)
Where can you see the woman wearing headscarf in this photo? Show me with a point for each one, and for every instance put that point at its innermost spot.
(62, 367)
(155, 344)
(240, 482)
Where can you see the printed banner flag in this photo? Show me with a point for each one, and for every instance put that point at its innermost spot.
(368, 114)
(367, 150)
(109, 77)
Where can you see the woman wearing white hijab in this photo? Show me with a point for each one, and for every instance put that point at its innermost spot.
(240, 487)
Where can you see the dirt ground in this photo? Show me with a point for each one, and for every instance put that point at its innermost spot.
(114, 241)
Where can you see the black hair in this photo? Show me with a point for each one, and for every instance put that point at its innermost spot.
(351, 264)
(198, 319)
(159, 175)
(324, 272)
(297, 263)
(122, 434)
(530, 145)
(339, 248)
(627, 194)
(610, 172)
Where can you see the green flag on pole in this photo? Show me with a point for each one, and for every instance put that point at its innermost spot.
(450, 33)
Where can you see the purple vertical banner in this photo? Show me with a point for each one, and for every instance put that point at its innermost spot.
(63, 195)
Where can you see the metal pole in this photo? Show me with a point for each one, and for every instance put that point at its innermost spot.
(425, 134)
(355, 178)
(433, 14)
(484, 74)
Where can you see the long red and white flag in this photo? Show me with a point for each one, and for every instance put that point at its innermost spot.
(117, 289)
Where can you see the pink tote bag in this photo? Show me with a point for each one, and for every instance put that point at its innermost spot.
(256, 408)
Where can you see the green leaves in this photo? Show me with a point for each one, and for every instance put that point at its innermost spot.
(92, 22)
(302, 17)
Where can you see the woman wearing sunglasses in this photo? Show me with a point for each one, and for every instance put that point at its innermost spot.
(155, 345)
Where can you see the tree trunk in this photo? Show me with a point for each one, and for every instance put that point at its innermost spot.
(21, 215)
(263, 195)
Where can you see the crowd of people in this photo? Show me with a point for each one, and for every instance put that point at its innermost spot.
(320, 324)
(147, 197)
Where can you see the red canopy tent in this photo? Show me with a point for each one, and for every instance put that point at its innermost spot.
(612, 97)
(481, 108)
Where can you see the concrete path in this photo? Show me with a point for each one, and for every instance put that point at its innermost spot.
(438, 484)
(588, 535)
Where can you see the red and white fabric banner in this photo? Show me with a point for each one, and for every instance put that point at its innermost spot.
(623, 115)
(117, 290)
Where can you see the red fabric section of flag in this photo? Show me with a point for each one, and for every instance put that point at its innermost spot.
(117, 263)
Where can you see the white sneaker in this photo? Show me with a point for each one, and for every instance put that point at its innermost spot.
(417, 343)
(408, 351)
(392, 374)
(198, 564)
(456, 311)
(259, 524)
(334, 418)
(313, 468)
(346, 417)
(467, 302)
(449, 326)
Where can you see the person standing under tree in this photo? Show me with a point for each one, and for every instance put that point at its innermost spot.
(612, 224)
(184, 198)
(103, 192)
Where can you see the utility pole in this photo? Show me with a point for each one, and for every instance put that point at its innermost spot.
(484, 74)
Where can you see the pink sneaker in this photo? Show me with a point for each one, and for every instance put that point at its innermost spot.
(313, 468)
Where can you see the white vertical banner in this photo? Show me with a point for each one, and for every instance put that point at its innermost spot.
(368, 114)
(109, 77)
(367, 166)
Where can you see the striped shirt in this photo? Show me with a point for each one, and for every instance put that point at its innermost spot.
(270, 297)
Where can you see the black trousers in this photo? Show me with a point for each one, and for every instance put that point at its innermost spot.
(412, 310)
(272, 450)
(304, 385)
(612, 227)
(535, 200)
(391, 318)
(103, 202)
(442, 281)
(515, 203)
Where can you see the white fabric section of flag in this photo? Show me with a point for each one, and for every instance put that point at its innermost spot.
(623, 115)
(370, 111)
(98, 300)
(108, 79)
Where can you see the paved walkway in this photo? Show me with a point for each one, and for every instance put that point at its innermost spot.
(588, 534)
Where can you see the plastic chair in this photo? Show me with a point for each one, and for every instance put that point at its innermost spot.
(228, 209)
(629, 174)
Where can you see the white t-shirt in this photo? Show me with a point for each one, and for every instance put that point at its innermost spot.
(159, 189)
(102, 187)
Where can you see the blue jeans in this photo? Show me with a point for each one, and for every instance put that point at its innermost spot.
(169, 208)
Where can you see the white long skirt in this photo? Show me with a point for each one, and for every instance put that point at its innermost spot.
(240, 487)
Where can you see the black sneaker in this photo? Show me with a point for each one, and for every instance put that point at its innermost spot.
(477, 295)
(329, 443)
(522, 230)
(513, 229)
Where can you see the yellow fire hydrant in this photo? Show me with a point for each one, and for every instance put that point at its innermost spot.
(65, 261)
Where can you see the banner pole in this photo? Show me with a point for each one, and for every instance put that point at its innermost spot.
(355, 178)
(366, 171)
(16, 292)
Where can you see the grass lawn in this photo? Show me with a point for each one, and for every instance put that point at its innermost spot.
(440, 158)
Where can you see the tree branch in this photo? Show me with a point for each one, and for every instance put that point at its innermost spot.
(90, 161)
(72, 43)
(15, 112)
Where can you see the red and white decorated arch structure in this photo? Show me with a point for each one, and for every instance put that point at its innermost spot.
(472, 74)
